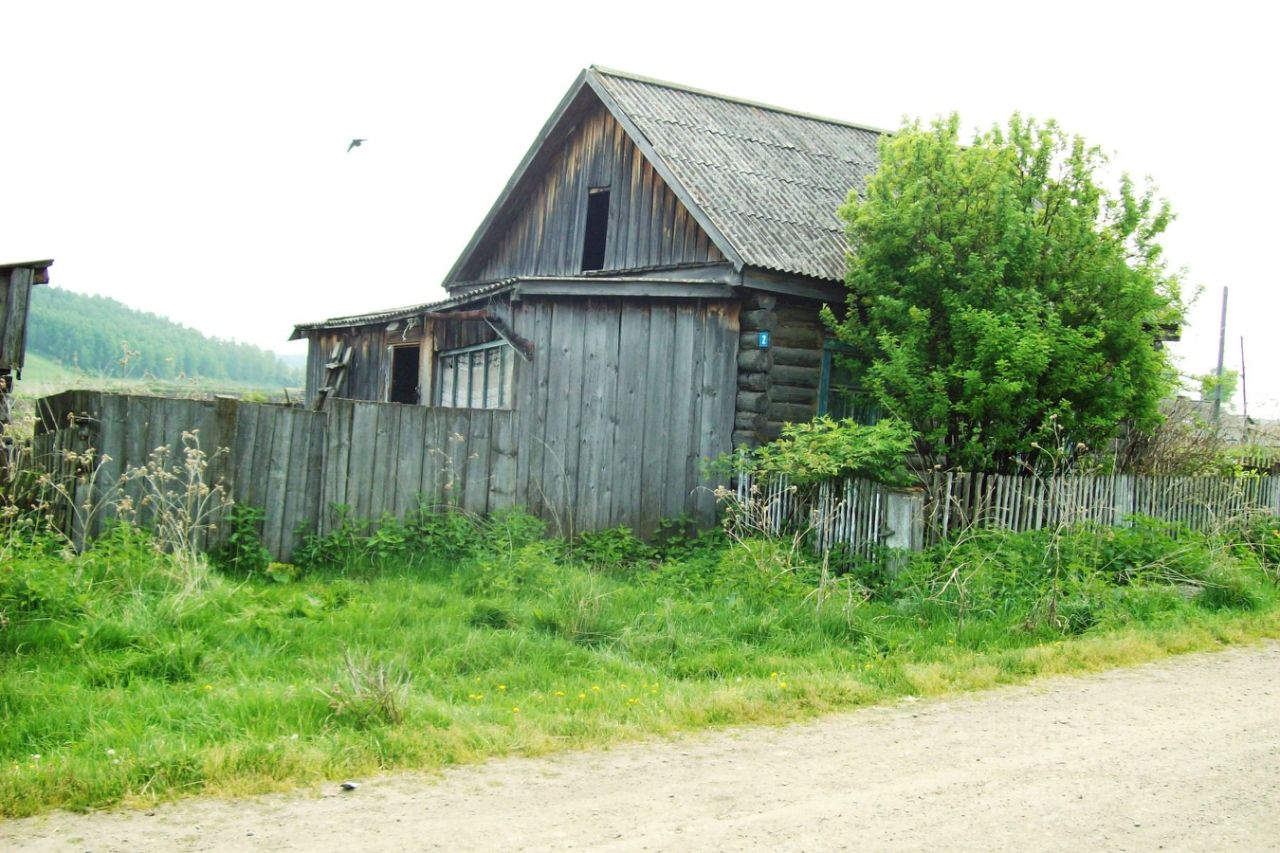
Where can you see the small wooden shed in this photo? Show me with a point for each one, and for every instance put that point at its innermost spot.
(644, 295)
(16, 281)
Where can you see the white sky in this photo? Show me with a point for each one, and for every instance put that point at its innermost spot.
(189, 159)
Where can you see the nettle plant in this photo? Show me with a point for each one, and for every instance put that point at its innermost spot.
(825, 448)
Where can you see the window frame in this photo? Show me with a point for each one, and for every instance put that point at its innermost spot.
(867, 415)
(505, 376)
(392, 351)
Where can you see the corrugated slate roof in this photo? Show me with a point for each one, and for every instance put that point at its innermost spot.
(479, 291)
(769, 179)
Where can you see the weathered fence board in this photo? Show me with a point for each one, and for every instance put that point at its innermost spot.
(266, 456)
(956, 501)
(398, 456)
(859, 516)
(850, 514)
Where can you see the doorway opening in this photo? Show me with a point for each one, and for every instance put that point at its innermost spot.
(404, 375)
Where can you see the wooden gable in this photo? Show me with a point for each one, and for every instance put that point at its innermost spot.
(542, 228)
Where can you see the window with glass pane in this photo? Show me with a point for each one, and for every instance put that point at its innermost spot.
(475, 377)
(840, 394)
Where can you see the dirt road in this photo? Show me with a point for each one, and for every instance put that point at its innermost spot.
(1181, 755)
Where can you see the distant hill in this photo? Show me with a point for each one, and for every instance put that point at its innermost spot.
(101, 336)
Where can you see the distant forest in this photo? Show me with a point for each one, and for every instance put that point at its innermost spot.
(104, 337)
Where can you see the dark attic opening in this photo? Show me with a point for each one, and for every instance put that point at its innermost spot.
(404, 375)
(597, 229)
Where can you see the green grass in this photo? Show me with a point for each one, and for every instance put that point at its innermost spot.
(42, 376)
(125, 677)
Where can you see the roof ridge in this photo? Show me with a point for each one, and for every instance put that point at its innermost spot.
(666, 84)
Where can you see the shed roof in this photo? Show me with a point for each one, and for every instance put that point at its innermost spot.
(624, 285)
(476, 294)
(40, 269)
(770, 179)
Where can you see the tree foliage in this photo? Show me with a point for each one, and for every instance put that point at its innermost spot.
(1229, 382)
(1001, 298)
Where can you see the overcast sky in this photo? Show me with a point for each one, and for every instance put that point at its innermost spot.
(190, 159)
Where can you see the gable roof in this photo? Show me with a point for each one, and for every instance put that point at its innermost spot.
(763, 182)
(769, 179)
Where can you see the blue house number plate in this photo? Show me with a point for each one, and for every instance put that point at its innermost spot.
(762, 340)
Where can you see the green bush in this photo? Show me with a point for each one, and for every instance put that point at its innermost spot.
(824, 448)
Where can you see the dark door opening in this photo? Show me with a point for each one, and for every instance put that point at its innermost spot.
(404, 375)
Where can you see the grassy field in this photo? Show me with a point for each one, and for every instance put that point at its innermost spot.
(42, 377)
(129, 676)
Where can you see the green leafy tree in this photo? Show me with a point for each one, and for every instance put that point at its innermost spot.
(1210, 382)
(1001, 299)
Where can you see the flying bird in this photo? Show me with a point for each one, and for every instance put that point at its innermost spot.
(355, 143)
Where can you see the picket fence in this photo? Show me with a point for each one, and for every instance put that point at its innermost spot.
(861, 516)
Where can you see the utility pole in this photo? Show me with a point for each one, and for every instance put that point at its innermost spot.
(1222, 343)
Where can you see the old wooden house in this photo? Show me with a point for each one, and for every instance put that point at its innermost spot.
(16, 281)
(643, 296)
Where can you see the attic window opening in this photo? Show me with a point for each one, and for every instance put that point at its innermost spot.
(596, 232)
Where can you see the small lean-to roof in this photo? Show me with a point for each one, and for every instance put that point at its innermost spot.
(770, 179)
(39, 268)
(533, 285)
(474, 294)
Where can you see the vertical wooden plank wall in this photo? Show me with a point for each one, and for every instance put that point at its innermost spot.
(620, 408)
(647, 226)
(271, 457)
(623, 403)
(15, 295)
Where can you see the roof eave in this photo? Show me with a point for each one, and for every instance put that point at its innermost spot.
(353, 321)
(39, 269)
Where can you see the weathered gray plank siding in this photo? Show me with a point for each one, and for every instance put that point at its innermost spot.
(15, 296)
(623, 402)
(366, 375)
(545, 235)
(638, 394)
(267, 456)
